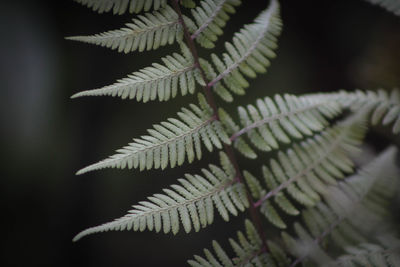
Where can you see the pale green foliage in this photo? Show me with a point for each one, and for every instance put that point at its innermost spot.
(287, 118)
(122, 6)
(190, 203)
(248, 250)
(146, 32)
(308, 142)
(232, 128)
(390, 5)
(355, 212)
(280, 120)
(304, 170)
(249, 52)
(218, 88)
(210, 17)
(384, 106)
(170, 142)
(160, 82)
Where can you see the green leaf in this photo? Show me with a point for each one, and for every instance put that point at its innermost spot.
(249, 52)
(146, 32)
(282, 119)
(190, 204)
(210, 17)
(172, 141)
(158, 81)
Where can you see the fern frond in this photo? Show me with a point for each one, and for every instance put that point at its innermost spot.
(283, 119)
(211, 16)
(248, 250)
(158, 81)
(304, 170)
(390, 5)
(352, 213)
(190, 203)
(122, 6)
(170, 142)
(250, 50)
(146, 32)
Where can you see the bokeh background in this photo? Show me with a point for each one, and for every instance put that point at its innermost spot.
(45, 136)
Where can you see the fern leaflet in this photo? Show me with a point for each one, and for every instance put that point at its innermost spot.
(171, 141)
(192, 203)
(211, 16)
(148, 31)
(280, 120)
(158, 81)
(249, 53)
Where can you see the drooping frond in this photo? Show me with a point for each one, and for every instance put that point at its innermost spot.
(190, 203)
(210, 17)
(305, 170)
(353, 212)
(122, 6)
(158, 81)
(170, 142)
(146, 32)
(281, 119)
(390, 5)
(248, 250)
(249, 52)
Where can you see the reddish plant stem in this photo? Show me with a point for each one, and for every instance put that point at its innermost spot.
(254, 213)
(193, 50)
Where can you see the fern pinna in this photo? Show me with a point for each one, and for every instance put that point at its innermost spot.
(325, 204)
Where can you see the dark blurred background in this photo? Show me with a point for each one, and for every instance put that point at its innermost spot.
(46, 136)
